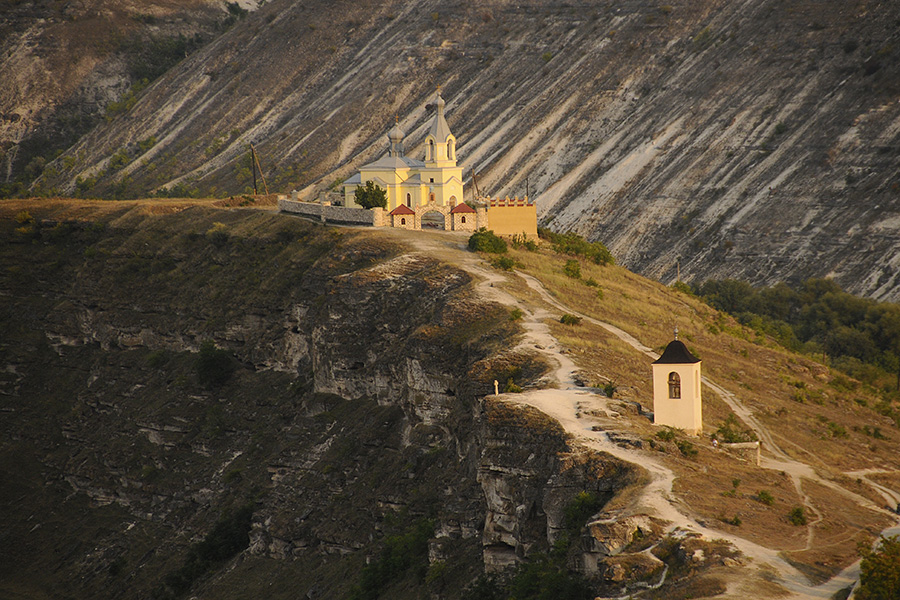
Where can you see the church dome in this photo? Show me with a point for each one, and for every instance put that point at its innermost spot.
(396, 134)
(676, 353)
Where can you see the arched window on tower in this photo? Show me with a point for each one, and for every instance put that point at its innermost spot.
(450, 149)
(403, 220)
(408, 199)
(431, 155)
(452, 201)
(674, 385)
(463, 219)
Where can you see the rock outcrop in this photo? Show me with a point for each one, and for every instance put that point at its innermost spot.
(343, 405)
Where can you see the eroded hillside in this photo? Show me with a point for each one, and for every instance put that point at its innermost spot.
(754, 139)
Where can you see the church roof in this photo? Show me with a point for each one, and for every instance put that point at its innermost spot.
(402, 209)
(387, 162)
(462, 208)
(357, 178)
(439, 128)
(676, 353)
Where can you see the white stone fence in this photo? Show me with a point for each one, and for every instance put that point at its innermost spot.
(326, 213)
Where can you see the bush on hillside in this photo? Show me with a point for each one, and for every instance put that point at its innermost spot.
(575, 245)
(484, 240)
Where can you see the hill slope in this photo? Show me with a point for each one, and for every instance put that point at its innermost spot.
(754, 139)
(349, 411)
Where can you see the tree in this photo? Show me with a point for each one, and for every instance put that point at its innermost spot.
(879, 571)
(371, 196)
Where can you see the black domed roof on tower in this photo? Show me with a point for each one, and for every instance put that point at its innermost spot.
(676, 353)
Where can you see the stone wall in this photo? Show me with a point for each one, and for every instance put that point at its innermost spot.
(342, 215)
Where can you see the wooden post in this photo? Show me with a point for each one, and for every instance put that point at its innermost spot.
(256, 166)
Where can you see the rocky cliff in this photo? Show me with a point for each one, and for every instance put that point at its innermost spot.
(338, 409)
(754, 139)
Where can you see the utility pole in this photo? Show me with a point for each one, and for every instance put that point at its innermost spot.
(253, 166)
(526, 187)
(255, 158)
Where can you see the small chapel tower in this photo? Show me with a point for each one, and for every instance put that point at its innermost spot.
(676, 389)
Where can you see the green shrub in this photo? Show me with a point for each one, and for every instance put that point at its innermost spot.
(582, 507)
(24, 218)
(402, 552)
(156, 359)
(736, 521)
(512, 387)
(217, 234)
(666, 435)
(731, 432)
(765, 497)
(687, 448)
(504, 263)
(516, 314)
(214, 366)
(572, 269)
(484, 240)
(836, 430)
(228, 537)
(591, 282)
(568, 319)
(797, 516)
(682, 287)
(609, 388)
(575, 245)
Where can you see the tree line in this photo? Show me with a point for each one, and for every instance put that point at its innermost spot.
(816, 316)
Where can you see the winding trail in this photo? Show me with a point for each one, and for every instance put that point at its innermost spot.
(568, 403)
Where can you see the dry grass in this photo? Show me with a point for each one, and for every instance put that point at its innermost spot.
(788, 392)
(810, 419)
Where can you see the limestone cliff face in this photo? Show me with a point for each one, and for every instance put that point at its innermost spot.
(750, 139)
(354, 408)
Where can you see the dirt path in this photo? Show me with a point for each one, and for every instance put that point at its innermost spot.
(569, 403)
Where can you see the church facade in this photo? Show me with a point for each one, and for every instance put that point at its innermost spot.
(412, 183)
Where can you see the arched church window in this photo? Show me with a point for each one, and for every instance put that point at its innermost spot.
(463, 219)
(452, 200)
(431, 155)
(409, 200)
(674, 385)
(431, 197)
(450, 149)
(403, 221)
